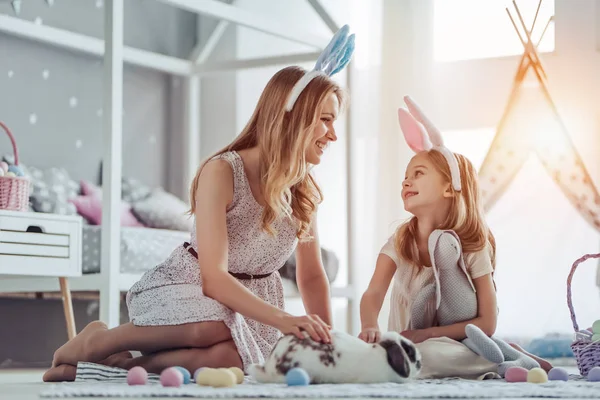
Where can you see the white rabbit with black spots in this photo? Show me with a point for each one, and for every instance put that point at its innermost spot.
(347, 359)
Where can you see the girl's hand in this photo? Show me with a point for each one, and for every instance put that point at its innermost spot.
(311, 324)
(370, 335)
(417, 336)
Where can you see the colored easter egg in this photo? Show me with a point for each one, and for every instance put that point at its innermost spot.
(594, 375)
(15, 168)
(596, 326)
(516, 374)
(196, 372)
(596, 337)
(297, 377)
(537, 375)
(171, 377)
(10, 174)
(217, 378)
(239, 374)
(186, 374)
(4, 166)
(2, 172)
(137, 376)
(558, 374)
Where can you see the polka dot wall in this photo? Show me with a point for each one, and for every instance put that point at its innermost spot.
(52, 98)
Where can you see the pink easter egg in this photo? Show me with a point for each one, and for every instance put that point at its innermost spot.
(137, 376)
(4, 166)
(171, 377)
(516, 374)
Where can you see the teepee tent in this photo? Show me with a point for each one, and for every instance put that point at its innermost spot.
(531, 123)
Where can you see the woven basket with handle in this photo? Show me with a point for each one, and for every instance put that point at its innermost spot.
(587, 353)
(14, 190)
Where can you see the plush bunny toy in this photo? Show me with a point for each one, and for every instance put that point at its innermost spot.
(347, 359)
(451, 298)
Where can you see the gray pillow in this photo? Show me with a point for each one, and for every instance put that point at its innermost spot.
(50, 189)
(162, 210)
(133, 190)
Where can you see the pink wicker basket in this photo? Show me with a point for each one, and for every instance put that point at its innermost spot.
(14, 190)
(587, 353)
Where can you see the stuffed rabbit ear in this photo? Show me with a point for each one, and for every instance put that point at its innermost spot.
(415, 110)
(414, 133)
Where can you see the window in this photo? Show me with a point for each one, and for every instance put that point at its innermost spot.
(475, 29)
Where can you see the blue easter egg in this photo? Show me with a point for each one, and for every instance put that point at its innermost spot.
(558, 374)
(594, 375)
(15, 169)
(186, 374)
(297, 377)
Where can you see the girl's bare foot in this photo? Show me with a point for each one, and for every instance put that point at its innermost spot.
(81, 347)
(544, 364)
(62, 373)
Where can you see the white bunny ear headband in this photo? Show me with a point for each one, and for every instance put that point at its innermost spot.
(421, 134)
(332, 60)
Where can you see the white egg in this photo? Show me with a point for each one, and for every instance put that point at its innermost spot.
(1, 172)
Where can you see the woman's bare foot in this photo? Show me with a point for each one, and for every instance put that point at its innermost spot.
(67, 372)
(116, 360)
(544, 364)
(62, 373)
(81, 347)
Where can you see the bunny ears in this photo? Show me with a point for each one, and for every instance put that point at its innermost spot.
(421, 134)
(332, 60)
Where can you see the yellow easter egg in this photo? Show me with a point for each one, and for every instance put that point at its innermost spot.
(239, 374)
(10, 174)
(206, 376)
(224, 378)
(537, 375)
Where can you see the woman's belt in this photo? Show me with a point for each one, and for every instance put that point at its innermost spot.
(236, 275)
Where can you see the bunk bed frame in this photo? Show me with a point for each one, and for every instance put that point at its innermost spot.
(110, 282)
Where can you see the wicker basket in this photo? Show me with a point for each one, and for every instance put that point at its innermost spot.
(587, 353)
(14, 190)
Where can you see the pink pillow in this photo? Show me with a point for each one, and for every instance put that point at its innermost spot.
(89, 205)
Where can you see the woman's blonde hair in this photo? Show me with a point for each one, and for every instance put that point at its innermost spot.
(282, 138)
(466, 216)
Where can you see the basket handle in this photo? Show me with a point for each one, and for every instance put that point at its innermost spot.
(569, 301)
(12, 140)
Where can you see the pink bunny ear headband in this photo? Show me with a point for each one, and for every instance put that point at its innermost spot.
(421, 134)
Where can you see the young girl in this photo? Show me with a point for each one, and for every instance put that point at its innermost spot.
(441, 191)
(218, 300)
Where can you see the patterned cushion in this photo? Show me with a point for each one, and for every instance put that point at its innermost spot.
(162, 210)
(133, 190)
(50, 190)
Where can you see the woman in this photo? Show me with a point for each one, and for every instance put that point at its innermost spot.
(218, 301)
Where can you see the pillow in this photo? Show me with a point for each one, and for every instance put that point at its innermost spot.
(50, 189)
(89, 205)
(162, 210)
(133, 190)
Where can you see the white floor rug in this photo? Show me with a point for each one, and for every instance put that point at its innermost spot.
(90, 383)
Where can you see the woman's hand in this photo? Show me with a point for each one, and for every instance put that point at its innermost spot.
(370, 335)
(311, 324)
(417, 336)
